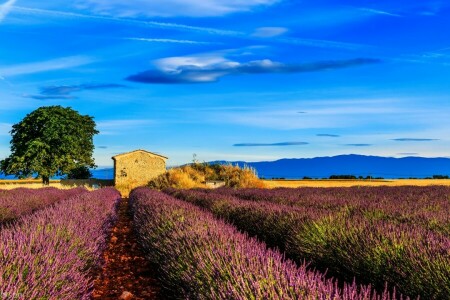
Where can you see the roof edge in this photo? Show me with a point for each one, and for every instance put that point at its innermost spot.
(138, 150)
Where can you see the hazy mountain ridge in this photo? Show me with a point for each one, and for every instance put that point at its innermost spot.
(321, 167)
(352, 164)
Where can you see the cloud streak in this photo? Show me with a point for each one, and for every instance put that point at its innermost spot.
(321, 43)
(379, 12)
(170, 41)
(263, 32)
(267, 32)
(152, 24)
(170, 8)
(283, 144)
(414, 140)
(6, 8)
(327, 135)
(358, 145)
(65, 91)
(49, 97)
(204, 69)
(45, 66)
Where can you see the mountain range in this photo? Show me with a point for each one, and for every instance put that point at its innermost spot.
(324, 167)
(352, 164)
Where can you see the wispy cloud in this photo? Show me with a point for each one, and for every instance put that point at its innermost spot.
(358, 145)
(102, 147)
(322, 114)
(327, 135)
(322, 43)
(170, 8)
(67, 89)
(48, 97)
(263, 32)
(45, 66)
(379, 12)
(414, 140)
(172, 41)
(266, 32)
(270, 144)
(211, 67)
(5, 8)
(408, 153)
(152, 24)
(64, 91)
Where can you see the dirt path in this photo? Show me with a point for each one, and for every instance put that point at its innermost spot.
(126, 270)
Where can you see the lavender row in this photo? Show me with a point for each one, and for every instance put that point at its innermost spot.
(427, 206)
(201, 257)
(52, 252)
(411, 258)
(21, 201)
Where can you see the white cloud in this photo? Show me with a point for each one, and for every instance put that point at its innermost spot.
(379, 12)
(170, 8)
(173, 41)
(5, 8)
(266, 32)
(172, 64)
(44, 66)
(210, 67)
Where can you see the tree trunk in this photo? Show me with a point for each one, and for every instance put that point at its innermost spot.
(45, 180)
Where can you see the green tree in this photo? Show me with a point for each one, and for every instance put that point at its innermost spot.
(81, 172)
(52, 140)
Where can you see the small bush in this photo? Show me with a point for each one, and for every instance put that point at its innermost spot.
(196, 175)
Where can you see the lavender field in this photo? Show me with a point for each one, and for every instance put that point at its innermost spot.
(202, 257)
(17, 202)
(395, 238)
(51, 253)
(371, 243)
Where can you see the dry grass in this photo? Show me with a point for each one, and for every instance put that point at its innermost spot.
(196, 175)
(348, 183)
(90, 184)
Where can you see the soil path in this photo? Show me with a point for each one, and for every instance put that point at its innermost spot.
(125, 270)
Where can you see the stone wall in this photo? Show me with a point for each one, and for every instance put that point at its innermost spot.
(135, 169)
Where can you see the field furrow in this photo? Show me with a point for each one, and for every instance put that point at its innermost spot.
(408, 257)
(51, 254)
(201, 257)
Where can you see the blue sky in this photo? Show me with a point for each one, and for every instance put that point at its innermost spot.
(234, 80)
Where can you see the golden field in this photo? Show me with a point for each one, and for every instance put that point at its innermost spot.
(348, 183)
(90, 184)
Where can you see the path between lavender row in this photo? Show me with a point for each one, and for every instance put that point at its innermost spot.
(126, 273)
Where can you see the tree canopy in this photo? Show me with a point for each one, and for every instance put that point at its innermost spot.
(50, 141)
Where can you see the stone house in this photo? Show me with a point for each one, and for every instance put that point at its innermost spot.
(136, 168)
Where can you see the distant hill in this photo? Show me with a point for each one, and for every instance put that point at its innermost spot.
(323, 167)
(358, 165)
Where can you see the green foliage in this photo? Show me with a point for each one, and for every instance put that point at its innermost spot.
(81, 172)
(49, 141)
